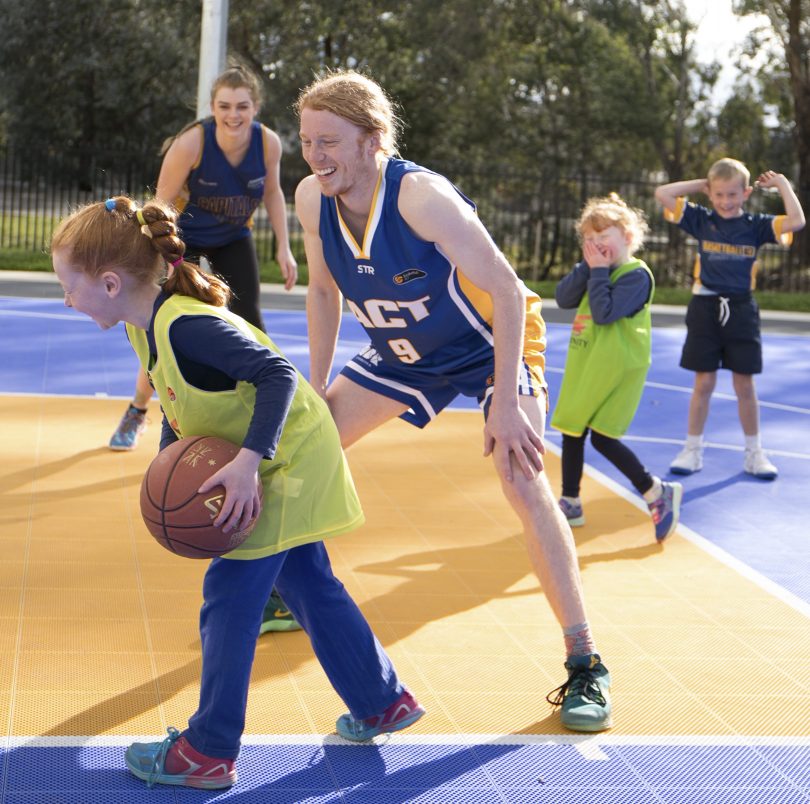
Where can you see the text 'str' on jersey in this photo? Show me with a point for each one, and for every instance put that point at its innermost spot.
(415, 305)
(219, 199)
(727, 247)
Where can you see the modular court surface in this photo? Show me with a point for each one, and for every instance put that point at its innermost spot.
(707, 637)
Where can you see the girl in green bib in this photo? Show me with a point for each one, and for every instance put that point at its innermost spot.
(608, 357)
(215, 374)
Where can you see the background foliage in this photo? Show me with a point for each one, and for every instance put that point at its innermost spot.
(542, 89)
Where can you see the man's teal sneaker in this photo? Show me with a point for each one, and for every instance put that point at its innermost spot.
(585, 697)
(277, 617)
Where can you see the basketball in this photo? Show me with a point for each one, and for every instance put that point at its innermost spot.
(177, 516)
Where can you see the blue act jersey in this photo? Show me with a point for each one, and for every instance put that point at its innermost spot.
(727, 247)
(218, 200)
(416, 306)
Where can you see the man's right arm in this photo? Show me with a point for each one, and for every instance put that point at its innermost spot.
(668, 194)
(323, 296)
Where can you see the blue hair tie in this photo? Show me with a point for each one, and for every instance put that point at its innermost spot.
(109, 204)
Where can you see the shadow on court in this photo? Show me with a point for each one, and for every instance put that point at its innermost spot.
(284, 774)
(696, 493)
(22, 477)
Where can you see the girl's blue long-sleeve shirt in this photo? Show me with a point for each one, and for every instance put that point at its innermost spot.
(213, 356)
(609, 301)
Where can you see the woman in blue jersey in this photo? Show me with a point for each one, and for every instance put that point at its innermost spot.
(217, 172)
(216, 374)
(445, 314)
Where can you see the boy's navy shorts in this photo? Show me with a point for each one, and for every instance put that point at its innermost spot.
(723, 332)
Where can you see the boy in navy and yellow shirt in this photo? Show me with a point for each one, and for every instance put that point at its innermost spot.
(722, 320)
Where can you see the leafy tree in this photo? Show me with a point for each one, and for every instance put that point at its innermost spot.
(97, 75)
(785, 78)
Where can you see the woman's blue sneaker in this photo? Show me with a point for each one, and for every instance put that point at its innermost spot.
(129, 430)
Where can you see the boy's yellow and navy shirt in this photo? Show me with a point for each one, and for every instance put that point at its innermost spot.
(727, 247)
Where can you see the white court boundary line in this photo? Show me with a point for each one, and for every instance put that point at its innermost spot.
(707, 546)
(686, 389)
(588, 746)
(704, 544)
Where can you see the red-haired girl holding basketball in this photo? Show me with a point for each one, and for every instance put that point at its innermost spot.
(218, 375)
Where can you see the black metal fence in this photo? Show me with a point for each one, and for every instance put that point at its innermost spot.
(531, 217)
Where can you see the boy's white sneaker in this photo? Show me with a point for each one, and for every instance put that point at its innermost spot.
(756, 463)
(688, 461)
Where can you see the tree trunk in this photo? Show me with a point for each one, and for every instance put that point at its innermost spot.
(796, 51)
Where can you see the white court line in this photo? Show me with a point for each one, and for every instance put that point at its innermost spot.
(588, 746)
(96, 395)
(707, 546)
(714, 445)
(56, 316)
(729, 397)
(684, 389)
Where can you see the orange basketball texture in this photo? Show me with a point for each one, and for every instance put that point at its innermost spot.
(176, 515)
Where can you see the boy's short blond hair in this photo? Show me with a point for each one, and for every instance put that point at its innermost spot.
(611, 210)
(727, 169)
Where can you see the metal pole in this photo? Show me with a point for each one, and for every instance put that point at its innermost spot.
(213, 49)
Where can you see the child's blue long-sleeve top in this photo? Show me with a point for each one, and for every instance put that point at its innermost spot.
(213, 356)
(609, 301)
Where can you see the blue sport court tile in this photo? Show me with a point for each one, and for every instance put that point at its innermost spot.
(703, 766)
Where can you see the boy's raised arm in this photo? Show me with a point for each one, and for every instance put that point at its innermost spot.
(668, 194)
(794, 215)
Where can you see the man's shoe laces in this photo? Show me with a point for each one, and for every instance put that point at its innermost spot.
(581, 681)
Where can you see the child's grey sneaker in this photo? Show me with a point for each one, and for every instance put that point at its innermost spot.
(666, 510)
(572, 512)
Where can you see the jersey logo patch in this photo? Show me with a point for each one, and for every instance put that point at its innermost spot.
(371, 354)
(579, 324)
(409, 275)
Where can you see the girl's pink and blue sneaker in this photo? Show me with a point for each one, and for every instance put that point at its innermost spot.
(175, 761)
(404, 712)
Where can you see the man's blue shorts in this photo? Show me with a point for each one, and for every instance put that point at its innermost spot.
(428, 391)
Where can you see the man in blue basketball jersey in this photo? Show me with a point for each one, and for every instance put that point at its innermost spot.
(446, 315)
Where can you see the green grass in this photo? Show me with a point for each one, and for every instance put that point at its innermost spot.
(789, 302)
(20, 259)
(270, 272)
